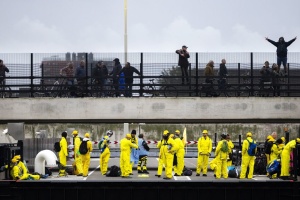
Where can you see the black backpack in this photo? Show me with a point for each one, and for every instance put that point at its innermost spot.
(114, 171)
(187, 171)
(145, 145)
(83, 148)
(268, 146)
(57, 147)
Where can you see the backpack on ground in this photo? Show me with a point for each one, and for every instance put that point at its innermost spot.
(187, 172)
(224, 147)
(252, 148)
(232, 172)
(83, 148)
(114, 171)
(57, 147)
(260, 164)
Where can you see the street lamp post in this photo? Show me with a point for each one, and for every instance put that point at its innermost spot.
(125, 30)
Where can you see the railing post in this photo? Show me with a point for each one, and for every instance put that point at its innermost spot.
(31, 75)
(86, 73)
(251, 73)
(197, 76)
(288, 79)
(142, 75)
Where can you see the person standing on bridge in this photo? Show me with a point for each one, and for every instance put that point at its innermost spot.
(204, 150)
(281, 51)
(183, 63)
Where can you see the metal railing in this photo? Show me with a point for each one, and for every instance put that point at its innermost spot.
(37, 75)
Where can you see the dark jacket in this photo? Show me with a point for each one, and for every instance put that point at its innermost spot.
(3, 69)
(223, 71)
(266, 74)
(281, 47)
(116, 70)
(128, 73)
(183, 60)
(100, 73)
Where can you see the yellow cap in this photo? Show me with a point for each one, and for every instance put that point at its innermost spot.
(177, 131)
(249, 134)
(166, 132)
(14, 160)
(87, 135)
(128, 136)
(172, 135)
(283, 139)
(205, 131)
(75, 132)
(17, 157)
(298, 140)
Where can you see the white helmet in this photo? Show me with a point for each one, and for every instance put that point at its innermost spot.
(109, 133)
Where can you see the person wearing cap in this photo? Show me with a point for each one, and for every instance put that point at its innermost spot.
(143, 153)
(19, 170)
(86, 158)
(134, 154)
(222, 151)
(167, 152)
(247, 160)
(271, 139)
(77, 157)
(178, 168)
(104, 154)
(115, 72)
(183, 63)
(230, 148)
(160, 160)
(128, 71)
(63, 153)
(204, 150)
(275, 154)
(285, 158)
(125, 148)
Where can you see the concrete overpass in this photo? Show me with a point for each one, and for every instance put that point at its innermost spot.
(152, 110)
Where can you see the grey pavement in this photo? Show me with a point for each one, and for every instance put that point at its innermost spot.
(95, 175)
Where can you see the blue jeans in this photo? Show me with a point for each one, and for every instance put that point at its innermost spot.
(282, 60)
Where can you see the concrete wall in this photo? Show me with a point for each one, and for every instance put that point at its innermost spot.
(189, 109)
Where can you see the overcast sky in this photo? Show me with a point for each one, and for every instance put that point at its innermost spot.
(52, 26)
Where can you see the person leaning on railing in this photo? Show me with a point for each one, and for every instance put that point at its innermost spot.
(68, 72)
(3, 69)
(209, 72)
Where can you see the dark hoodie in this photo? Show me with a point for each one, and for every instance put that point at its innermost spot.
(281, 46)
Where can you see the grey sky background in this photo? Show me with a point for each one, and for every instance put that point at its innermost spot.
(44, 26)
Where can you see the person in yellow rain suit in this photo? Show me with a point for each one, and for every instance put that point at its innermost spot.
(271, 139)
(125, 148)
(247, 160)
(168, 149)
(222, 152)
(105, 154)
(86, 158)
(134, 157)
(63, 153)
(77, 157)
(160, 160)
(231, 146)
(19, 171)
(275, 154)
(285, 158)
(178, 169)
(204, 150)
